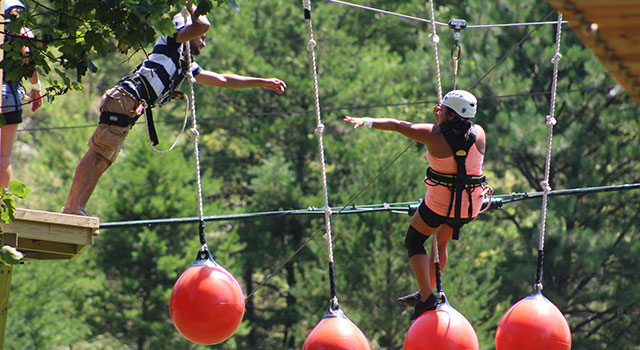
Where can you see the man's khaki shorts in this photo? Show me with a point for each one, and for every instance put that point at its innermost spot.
(107, 140)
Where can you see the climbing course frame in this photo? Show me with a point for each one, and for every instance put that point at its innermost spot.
(609, 28)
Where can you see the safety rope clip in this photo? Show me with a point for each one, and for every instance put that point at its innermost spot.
(457, 25)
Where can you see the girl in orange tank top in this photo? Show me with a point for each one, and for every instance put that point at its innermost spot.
(453, 130)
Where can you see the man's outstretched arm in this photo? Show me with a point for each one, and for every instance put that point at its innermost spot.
(235, 81)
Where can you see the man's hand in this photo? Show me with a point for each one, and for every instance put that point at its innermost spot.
(276, 85)
(177, 94)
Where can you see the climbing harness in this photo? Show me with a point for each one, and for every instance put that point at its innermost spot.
(138, 86)
(459, 182)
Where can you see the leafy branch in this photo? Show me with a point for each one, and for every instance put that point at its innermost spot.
(10, 255)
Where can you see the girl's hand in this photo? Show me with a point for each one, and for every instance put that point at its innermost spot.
(357, 122)
(36, 100)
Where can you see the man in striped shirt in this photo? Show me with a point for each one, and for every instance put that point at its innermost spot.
(153, 83)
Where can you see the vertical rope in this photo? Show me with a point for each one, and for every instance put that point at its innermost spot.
(319, 132)
(435, 40)
(434, 242)
(196, 134)
(550, 122)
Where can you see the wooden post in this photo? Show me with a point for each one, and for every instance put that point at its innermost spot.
(5, 289)
(5, 271)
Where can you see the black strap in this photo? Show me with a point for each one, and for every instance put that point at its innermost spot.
(118, 119)
(153, 136)
(145, 92)
(433, 177)
(460, 144)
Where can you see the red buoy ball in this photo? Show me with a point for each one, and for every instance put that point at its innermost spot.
(207, 303)
(336, 332)
(441, 329)
(533, 323)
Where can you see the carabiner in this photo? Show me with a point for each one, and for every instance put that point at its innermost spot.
(453, 51)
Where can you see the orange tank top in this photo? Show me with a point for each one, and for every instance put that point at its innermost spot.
(438, 197)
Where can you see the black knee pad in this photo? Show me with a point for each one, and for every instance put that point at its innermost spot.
(414, 241)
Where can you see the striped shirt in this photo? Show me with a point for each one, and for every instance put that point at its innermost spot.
(164, 71)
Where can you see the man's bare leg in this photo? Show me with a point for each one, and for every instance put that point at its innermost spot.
(88, 172)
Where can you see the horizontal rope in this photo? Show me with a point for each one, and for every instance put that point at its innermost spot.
(326, 110)
(480, 26)
(396, 207)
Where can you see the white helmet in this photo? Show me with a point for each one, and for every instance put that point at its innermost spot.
(178, 21)
(462, 102)
(9, 4)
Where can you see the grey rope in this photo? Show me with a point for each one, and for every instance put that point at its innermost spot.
(478, 26)
(184, 127)
(319, 132)
(434, 241)
(196, 134)
(550, 122)
(435, 40)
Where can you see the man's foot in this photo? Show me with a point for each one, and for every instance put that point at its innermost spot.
(410, 300)
(424, 306)
(80, 212)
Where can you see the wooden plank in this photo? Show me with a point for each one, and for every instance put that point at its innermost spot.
(47, 235)
(32, 245)
(49, 232)
(5, 289)
(10, 239)
(615, 11)
(45, 256)
(57, 218)
(600, 3)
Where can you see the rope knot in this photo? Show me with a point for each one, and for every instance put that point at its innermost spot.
(551, 121)
(434, 38)
(334, 303)
(538, 287)
(319, 129)
(194, 132)
(545, 186)
(556, 58)
(327, 210)
(311, 44)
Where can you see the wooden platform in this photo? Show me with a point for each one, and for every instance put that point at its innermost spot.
(42, 235)
(611, 30)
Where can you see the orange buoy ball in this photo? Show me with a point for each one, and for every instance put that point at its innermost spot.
(533, 323)
(441, 329)
(336, 332)
(207, 303)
